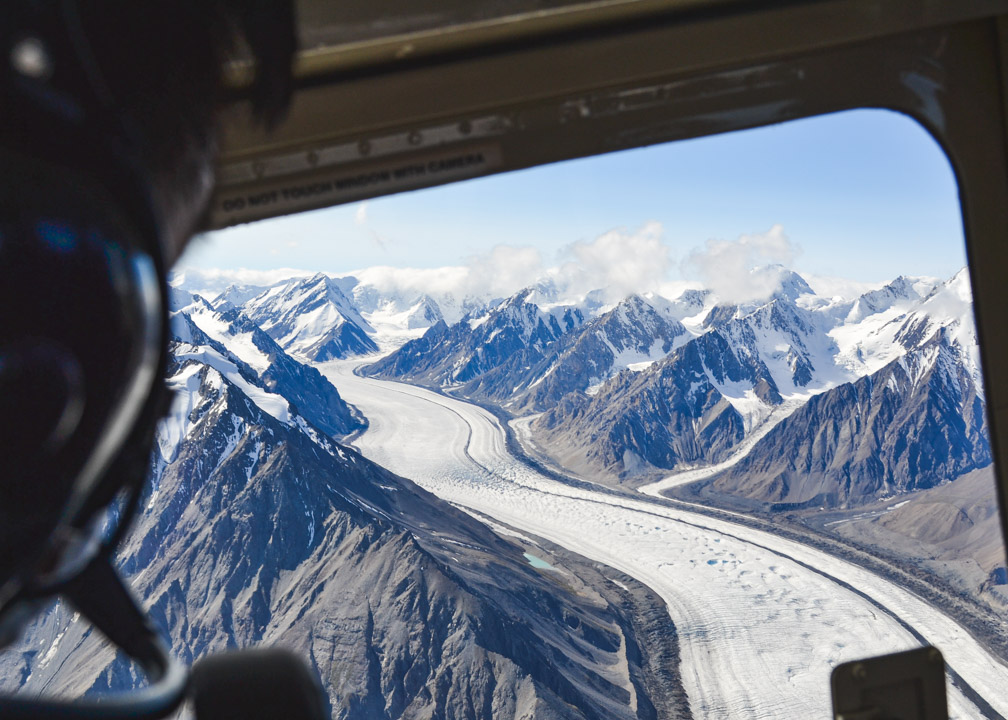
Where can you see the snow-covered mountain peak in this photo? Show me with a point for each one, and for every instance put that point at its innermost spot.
(397, 315)
(938, 354)
(791, 341)
(522, 297)
(780, 315)
(644, 314)
(178, 298)
(234, 331)
(960, 285)
(395, 325)
(423, 313)
(637, 332)
(949, 309)
(692, 297)
(518, 314)
(313, 318)
(792, 291)
(687, 304)
(237, 295)
(634, 304)
(525, 312)
(183, 301)
(236, 347)
(311, 292)
(791, 284)
(901, 293)
(903, 287)
(318, 290)
(870, 343)
(546, 291)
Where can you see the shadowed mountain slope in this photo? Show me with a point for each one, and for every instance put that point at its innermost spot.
(917, 422)
(261, 530)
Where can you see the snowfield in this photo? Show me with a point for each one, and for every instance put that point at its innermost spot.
(761, 620)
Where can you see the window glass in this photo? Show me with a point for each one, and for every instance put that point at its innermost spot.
(740, 369)
(699, 422)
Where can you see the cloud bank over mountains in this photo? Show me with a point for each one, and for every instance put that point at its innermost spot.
(611, 266)
(749, 268)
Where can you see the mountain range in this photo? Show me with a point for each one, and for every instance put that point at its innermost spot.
(261, 528)
(516, 332)
(651, 386)
(845, 411)
(914, 424)
(239, 349)
(633, 391)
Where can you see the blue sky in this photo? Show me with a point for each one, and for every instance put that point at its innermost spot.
(865, 195)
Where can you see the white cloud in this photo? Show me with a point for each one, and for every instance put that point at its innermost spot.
(413, 281)
(834, 287)
(499, 273)
(447, 285)
(744, 269)
(503, 271)
(362, 221)
(210, 282)
(618, 262)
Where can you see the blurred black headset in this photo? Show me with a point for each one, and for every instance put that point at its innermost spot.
(82, 310)
(83, 341)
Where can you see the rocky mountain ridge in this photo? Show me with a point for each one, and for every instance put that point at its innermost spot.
(515, 331)
(697, 391)
(654, 385)
(260, 529)
(914, 424)
(582, 358)
(312, 318)
(259, 360)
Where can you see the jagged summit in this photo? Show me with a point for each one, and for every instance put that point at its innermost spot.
(526, 353)
(231, 343)
(312, 318)
(791, 285)
(632, 334)
(915, 423)
(476, 345)
(901, 292)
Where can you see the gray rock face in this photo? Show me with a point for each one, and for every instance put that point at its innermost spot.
(446, 355)
(917, 422)
(524, 359)
(315, 398)
(953, 530)
(667, 414)
(262, 531)
(582, 356)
